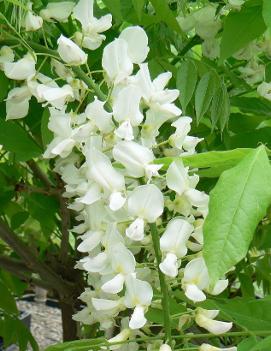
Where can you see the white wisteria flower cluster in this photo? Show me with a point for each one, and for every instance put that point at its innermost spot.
(135, 215)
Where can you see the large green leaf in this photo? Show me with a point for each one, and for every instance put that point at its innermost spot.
(252, 105)
(264, 344)
(237, 204)
(210, 164)
(15, 139)
(204, 93)
(186, 81)
(240, 28)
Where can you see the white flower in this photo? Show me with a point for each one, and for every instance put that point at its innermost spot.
(195, 279)
(32, 22)
(207, 347)
(138, 295)
(103, 173)
(103, 120)
(17, 102)
(126, 105)
(21, 69)
(122, 336)
(59, 11)
(90, 37)
(70, 52)
(146, 202)
(6, 55)
(178, 179)
(122, 263)
(173, 244)
(90, 240)
(205, 319)
(64, 136)
(154, 93)
(55, 96)
(116, 62)
(135, 158)
(119, 55)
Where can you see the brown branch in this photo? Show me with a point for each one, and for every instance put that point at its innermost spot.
(32, 261)
(39, 173)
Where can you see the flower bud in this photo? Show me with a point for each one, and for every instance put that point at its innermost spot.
(165, 347)
(70, 52)
(32, 22)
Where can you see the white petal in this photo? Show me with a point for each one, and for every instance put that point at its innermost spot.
(116, 62)
(103, 119)
(83, 12)
(138, 319)
(175, 237)
(115, 285)
(116, 201)
(59, 11)
(125, 131)
(193, 293)
(220, 286)
(146, 202)
(137, 41)
(133, 157)
(70, 52)
(169, 265)
(32, 22)
(21, 69)
(177, 177)
(197, 198)
(104, 304)
(126, 105)
(90, 240)
(196, 270)
(92, 195)
(137, 292)
(63, 148)
(135, 231)
(95, 264)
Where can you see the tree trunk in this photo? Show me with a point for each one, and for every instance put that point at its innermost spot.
(68, 324)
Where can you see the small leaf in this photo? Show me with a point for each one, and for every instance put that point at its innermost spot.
(268, 67)
(166, 15)
(186, 80)
(15, 139)
(267, 13)
(4, 86)
(237, 204)
(138, 6)
(220, 109)
(204, 93)
(240, 28)
(7, 302)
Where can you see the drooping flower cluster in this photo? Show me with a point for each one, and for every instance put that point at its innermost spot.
(108, 156)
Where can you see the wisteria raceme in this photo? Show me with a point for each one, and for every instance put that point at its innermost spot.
(107, 156)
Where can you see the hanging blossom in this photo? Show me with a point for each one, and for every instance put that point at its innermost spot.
(106, 153)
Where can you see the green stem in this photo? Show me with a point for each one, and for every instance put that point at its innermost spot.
(163, 285)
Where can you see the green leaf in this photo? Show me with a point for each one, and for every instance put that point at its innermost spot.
(267, 13)
(240, 28)
(262, 345)
(46, 134)
(210, 164)
(138, 6)
(4, 86)
(252, 105)
(246, 344)
(237, 204)
(7, 302)
(268, 67)
(204, 93)
(220, 109)
(82, 345)
(165, 14)
(15, 139)
(186, 81)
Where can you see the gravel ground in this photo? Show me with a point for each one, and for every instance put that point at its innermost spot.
(45, 322)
